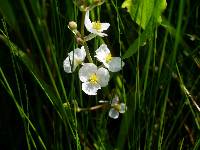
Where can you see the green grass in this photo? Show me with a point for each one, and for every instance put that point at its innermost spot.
(159, 82)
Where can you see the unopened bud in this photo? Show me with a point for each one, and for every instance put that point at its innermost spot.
(72, 25)
(98, 2)
(83, 8)
(79, 41)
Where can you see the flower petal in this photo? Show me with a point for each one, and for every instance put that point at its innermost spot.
(74, 58)
(94, 31)
(103, 76)
(86, 70)
(104, 26)
(100, 34)
(67, 65)
(113, 113)
(115, 101)
(89, 27)
(72, 55)
(80, 53)
(90, 88)
(115, 64)
(102, 52)
(123, 108)
(88, 23)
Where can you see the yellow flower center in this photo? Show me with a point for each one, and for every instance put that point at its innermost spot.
(108, 58)
(78, 61)
(96, 25)
(93, 78)
(117, 107)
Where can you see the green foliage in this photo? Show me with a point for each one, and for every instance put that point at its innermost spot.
(142, 11)
(7, 11)
(146, 14)
(145, 36)
(42, 107)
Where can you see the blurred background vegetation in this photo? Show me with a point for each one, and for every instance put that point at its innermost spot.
(159, 82)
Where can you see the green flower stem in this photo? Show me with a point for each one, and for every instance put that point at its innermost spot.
(78, 109)
(93, 108)
(89, 37)
(82, 23)
(87, 52)
(82, 35)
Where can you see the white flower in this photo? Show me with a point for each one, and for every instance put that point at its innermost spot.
(74, 58)
(95, 27)
(93, 78)
(114, 64)
(117, 108)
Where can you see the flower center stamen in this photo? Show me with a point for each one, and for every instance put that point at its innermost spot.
(108, 58)
(96, 25)
(78, 61)
(93, 78)
(117, 107)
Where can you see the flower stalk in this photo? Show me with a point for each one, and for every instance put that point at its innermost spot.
(93, 108)
(82, 23)
(82, 36)
(93, 77)
(87, 52)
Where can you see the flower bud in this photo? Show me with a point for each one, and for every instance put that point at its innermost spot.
(83, 8)
(79, 41)
(98, 2)
(72, 25)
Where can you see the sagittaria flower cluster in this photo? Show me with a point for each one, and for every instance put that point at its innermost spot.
(92, 77)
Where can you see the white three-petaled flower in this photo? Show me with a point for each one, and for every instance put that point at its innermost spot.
(93, 78)
(116, 108)
(74, 58)
(95, 27)
(114, 64)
